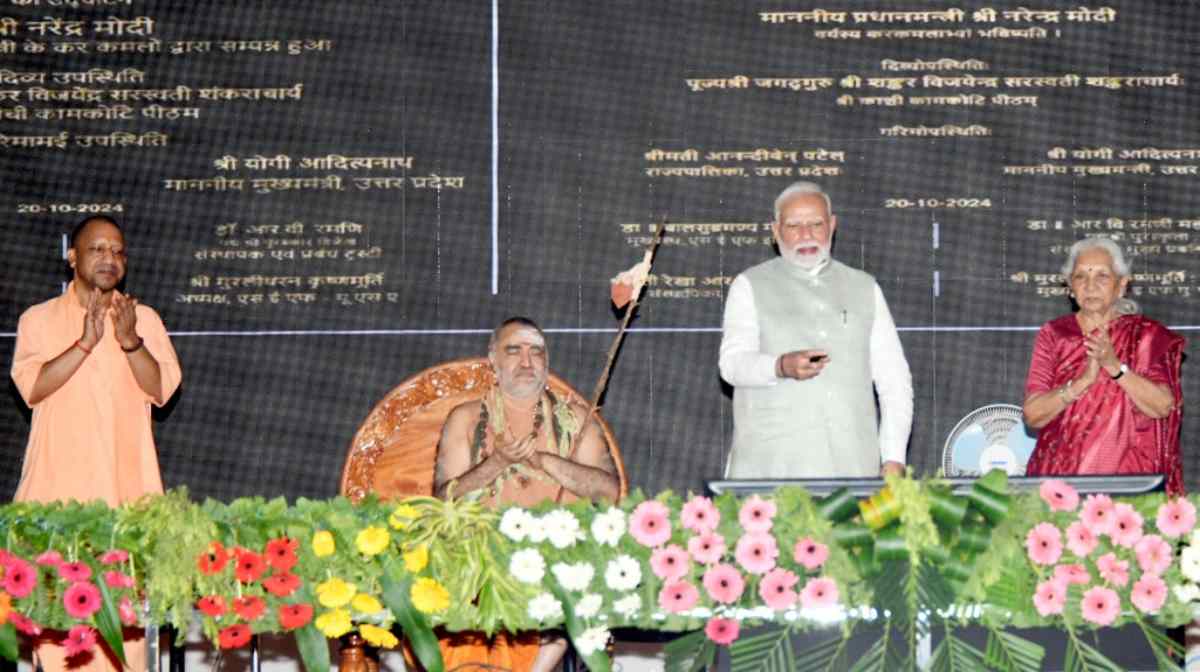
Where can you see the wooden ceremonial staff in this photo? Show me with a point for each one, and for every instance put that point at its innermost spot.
(601, 384)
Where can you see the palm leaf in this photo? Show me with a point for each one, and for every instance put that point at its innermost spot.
(956, 655)
(597, 661)
(770, 651)
(414, 624)
(314, 648)
(1166, 650)
(1006, 651)
(1082, 657)
(828, 655)
(692, 652)
(108, 622)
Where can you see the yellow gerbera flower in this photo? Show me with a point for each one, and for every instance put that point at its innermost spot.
(416, 559)
(5, 607)
(402, 516)
(428, 596)
(323, 543)
(334, 623)
(373, 540)
(377, 636)
(335, 592)
(366, 604)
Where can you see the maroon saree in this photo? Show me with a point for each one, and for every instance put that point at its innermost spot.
(1103, 432)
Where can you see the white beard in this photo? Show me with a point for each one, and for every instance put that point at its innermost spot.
(806, 261)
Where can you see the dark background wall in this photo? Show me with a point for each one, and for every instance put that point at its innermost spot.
(581, 95)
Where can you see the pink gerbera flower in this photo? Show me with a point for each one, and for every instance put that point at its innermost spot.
(669, 563)
(1044, 544)
(1080, 539)
(650, 523)
(1059, 495)
(1149, 593)
(1100, 605)
(114, 556)
(678, 597)
(50, 559)
(722, 631)
(757, 514)
(1097, 514)
(24, 624)
(81, 599)
(1176, 517)
(756, 552)
(1112, 570)
(724, 583)
(810, 553)
(80, 639)
(1051, 597)
(707, 548)
(776, 589)
(700, 515)
(1154, 555)
(20, 577)
(118, 580)
(126, 611)
(1076, 574)
(1126, 525)
(74, 571)
(819, 593)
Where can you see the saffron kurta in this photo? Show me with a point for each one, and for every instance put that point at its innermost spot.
(91, 438)
(1103, 432)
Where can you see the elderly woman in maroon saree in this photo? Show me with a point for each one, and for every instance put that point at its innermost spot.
(1103, 386)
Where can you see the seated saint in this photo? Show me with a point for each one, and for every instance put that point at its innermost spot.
(521, 445)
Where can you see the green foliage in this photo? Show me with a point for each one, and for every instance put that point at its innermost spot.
(828, 655)
(956, 655)
(1007, 651)
(314, 648)
(693, 652)
(770, 651)
(1166, 650)
(1082, 657)
(109, 623)
(8, 642)
(416, 627)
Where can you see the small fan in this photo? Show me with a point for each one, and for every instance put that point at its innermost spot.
(989, 437)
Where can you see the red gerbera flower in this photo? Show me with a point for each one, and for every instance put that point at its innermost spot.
(249, 567)
(213, 605)
(292, 616)
(213, 560)
(24, 624)
(281, 553)
(20, 577)
(118, 580)
(82, 600)
(282, 585)
(249, 607)
(74, 571)
(80, 639)
(234, 636)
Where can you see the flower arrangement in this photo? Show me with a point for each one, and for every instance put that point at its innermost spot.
(912, 557)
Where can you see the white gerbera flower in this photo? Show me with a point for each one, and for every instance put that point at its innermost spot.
(1187, 592)
(545, 608)
(623, 573)
(574, 577)
(592, 640)
(609, 527)
(515, 523)
(628, 606)
(527, 565)
(1189, 563)
(589, 606)
(562, 528)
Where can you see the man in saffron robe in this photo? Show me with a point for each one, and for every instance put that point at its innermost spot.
(1104, 382)
(519, 445)
(90, 363)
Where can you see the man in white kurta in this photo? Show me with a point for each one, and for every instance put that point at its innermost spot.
(807, 344)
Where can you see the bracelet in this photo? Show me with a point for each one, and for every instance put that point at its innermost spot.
(135, 348)
(1065, 393)
(79, 344)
